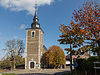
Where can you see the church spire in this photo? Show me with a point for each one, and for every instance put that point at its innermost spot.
(35, 16)
(35, 23)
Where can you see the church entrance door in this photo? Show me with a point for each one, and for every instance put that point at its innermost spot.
(32, 65)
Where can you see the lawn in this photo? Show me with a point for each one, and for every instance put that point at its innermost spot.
(9, 74)
(82, 73)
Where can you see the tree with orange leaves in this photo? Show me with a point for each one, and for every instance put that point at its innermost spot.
(71, 36)
(54, 57)
(85, 25)
(88, 18)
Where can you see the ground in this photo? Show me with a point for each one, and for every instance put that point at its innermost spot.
(39, 72)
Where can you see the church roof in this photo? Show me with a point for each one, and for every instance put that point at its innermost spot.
(35, 23)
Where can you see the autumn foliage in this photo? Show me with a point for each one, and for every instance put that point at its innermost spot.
(6, 63)
(72, 35)
(88, 18)
(54, 58)
(85, 25)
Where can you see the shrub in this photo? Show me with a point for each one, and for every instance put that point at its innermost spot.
(93, 59)
(82, 64)
(87, 64)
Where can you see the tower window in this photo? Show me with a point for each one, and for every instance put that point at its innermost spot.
(32, 34)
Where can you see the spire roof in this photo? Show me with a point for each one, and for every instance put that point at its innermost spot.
(35, 16)
(35, 23)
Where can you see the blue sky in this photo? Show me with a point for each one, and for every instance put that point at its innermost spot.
(51, 14)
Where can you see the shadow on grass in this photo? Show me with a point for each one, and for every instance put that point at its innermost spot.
(8, 74)
(58, 73)
(62, 73)
(35, 74)
(83, 73)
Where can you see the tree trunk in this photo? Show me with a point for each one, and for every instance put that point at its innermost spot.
(71, 63)
(64, 66)
(12, 63)
(70, 60)
(98, 43)
(98, 48)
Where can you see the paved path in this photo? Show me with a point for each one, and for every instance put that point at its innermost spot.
(40, 72)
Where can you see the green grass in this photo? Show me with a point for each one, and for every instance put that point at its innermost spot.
(67, 73)
(82, 73)
(8, 74)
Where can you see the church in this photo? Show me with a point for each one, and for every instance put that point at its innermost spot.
(34, 44)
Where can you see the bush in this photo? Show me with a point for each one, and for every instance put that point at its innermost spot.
(82, 64)
(87, 64)
(93, 59)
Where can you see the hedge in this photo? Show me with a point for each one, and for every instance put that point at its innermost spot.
(87, 64)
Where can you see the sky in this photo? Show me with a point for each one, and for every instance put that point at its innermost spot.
(16, 15)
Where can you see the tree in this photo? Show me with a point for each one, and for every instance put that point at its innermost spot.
(85, 25)
(6, 63)
(71, 36)
(88, 18)
(19, 60)
(54, 57)
(14, 48)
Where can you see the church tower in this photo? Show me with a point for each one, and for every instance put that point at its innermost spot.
(34, 44)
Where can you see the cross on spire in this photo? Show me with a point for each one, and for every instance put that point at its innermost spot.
(35, 3)
(35, 10)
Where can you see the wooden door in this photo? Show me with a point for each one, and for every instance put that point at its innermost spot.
(32, 65)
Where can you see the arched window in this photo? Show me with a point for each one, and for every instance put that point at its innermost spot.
(32, 34)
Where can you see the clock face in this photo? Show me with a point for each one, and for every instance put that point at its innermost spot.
(37, 26)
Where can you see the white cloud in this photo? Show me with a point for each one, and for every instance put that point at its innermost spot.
(22, 26)
(1, 57)
(20, 5)
(18, 38)
(15, 37)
